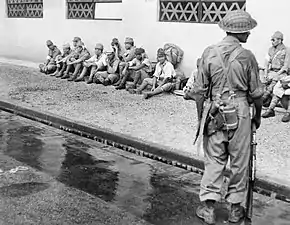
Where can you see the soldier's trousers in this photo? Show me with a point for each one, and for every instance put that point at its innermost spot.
(222, 145)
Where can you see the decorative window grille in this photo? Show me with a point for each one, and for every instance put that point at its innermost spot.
(197, 11)
(84, 9)
(25, 8)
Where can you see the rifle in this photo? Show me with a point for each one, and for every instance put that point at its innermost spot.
(252, 175)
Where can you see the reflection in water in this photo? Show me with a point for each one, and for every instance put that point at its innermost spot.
(24, 146)
(82, 171)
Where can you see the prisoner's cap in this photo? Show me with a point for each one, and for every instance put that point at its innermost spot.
(115, 41)
(65, 46)
(278, 35)
(129, 40)
(77, 39)
(49, 43)
(139, 51)
(237, 21)
(99, 46)
(160, 52)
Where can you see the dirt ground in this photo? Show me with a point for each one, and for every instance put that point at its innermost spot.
(167, 119)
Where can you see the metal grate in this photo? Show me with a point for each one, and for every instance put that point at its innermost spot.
(25, 8)
(197, 11)
(81, 10)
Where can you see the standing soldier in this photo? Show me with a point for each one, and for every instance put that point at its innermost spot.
(228, 79)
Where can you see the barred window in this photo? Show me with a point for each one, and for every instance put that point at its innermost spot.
(90, 9)
(197, 11)
(25, 8)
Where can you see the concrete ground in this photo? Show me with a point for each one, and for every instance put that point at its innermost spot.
(166, 119)
(52, 177)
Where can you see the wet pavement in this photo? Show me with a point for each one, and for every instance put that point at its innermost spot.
(67, 179)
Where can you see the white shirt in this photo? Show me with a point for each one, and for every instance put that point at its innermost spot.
(99, 61)
(165, 70)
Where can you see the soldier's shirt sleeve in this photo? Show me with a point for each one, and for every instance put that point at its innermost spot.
(255, 84)
(201, 84)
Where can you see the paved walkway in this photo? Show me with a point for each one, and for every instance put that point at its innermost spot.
(67, 179)
(167, 119)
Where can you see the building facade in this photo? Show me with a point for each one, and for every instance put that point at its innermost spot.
(25, 25)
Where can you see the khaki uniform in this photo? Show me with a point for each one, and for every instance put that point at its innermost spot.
(111, 73)
(223, 145)
(51, 60)
(279, 59)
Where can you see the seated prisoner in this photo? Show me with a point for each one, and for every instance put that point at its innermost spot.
(96, 63)
(50, 65)
(137, 70)
(128, 56)
(76, 62)
(276, 66)
(162, 78)
(279, 91)
(75, 42)
(61, 60)
(111, 75)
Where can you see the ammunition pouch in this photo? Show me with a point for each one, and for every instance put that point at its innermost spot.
(221, 118)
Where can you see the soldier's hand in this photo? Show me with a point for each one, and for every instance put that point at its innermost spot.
(257, 121)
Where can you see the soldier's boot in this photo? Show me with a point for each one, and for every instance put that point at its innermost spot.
(206, 213)
(269, 113)
(286, 117)
(236, 213)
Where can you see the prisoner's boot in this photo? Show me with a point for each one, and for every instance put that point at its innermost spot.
(73, 77)
(236, 214)
(90, 80)
(147, 95)
(121, 86)
(60, 74)
(65, 76)
(117, 83)
(54, 74)
(269, 113)
(79, 79)
(206, 213)
(286, 117)
(106, 82)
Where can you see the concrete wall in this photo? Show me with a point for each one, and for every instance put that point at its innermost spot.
(25, 38)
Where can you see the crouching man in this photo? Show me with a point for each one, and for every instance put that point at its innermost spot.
(96, 63)
(111, 75)
(50, 65)
(61, 60)
(76, 62)
(162, 78)
(137, 70)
